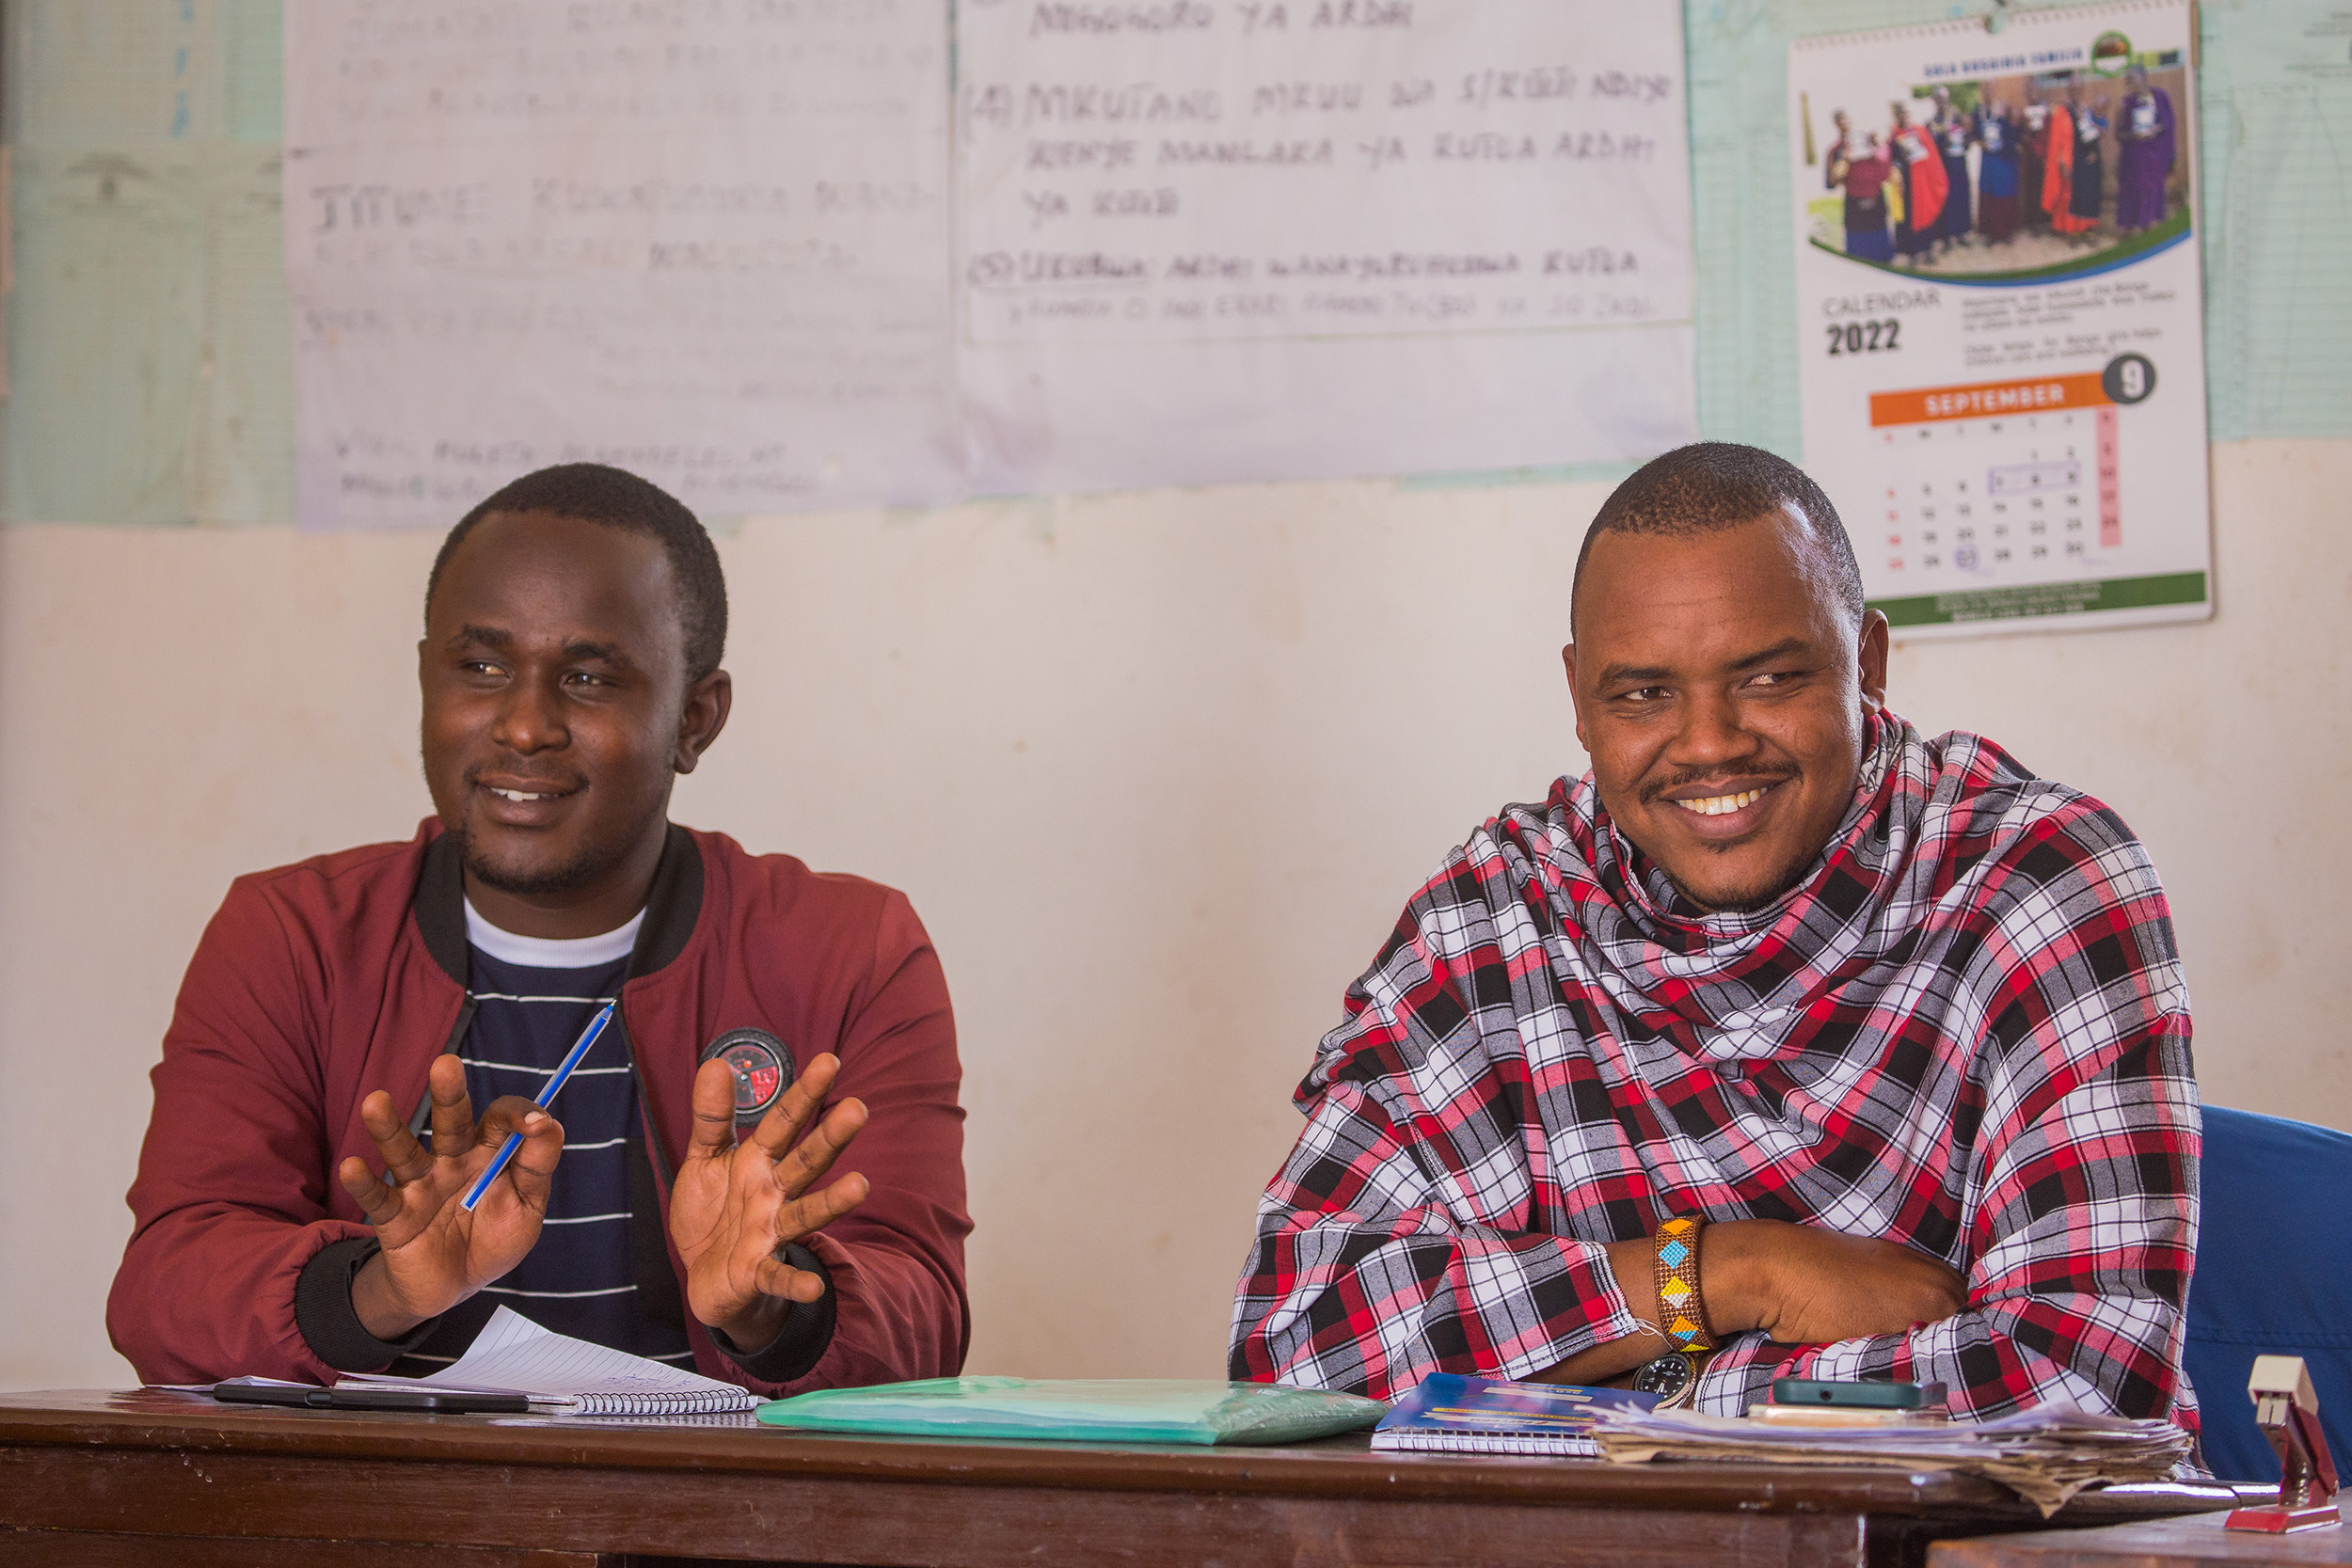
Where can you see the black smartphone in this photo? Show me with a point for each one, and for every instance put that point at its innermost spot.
(1863, 1396)
(430, 1400)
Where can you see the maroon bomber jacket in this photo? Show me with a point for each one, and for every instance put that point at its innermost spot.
(320, 982)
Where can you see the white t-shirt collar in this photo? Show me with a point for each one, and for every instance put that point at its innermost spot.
(549, 953)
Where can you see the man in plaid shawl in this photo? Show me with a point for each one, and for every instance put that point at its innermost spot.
(1897, 1025)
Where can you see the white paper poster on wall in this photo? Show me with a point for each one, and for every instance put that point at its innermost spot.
(1219, 240)
(706, 243)
(2000, 317)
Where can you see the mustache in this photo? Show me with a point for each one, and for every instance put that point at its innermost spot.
(1688, 777)
(526, 776)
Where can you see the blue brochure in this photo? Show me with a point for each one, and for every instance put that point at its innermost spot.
(1484, 1415)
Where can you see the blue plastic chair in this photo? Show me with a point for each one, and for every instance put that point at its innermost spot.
(2274, 1277)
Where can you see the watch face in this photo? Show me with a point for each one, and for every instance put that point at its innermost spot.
(1669, 1377)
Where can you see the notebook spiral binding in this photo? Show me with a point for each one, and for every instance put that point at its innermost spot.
(659, 1404)
(1570, 1445)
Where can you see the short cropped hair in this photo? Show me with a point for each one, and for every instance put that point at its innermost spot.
(616, 498)
(1713, 485)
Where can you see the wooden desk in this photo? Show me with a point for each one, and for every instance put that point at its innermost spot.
(2195, 1542)
(152, 1477)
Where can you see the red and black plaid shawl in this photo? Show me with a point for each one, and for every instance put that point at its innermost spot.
(1967, 1031)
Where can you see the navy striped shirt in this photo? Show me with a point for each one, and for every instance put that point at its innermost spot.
(532, 1000)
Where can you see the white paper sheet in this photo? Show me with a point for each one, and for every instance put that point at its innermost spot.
(514, 1356)
(1212, 240)
(706, 243)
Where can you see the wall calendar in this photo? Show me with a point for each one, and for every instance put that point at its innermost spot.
(2000, 320)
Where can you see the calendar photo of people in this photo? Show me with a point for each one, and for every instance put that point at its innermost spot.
(1999, 327)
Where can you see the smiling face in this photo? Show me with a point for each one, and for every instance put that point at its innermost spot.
(1721, 690)
(557, 714)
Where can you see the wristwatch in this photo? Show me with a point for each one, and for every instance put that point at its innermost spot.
(1674, 1377)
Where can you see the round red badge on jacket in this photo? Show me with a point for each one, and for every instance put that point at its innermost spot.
(763, 1071)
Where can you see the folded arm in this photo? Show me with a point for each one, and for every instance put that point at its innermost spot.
(1363, 1279)
(2081, 1248)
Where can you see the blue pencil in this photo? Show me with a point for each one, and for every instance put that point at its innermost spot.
(546, 1097)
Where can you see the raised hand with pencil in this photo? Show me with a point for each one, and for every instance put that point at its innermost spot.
(454, 1218)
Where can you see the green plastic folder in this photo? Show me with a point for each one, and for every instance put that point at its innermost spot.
(1105, 1410)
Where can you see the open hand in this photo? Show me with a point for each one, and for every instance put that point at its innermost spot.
(436, 1254)
(734, 1206)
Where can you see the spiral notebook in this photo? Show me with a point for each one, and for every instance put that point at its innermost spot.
(555, 1373)
(1451, 1414)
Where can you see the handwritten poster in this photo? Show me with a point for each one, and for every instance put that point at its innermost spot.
(1217, 240)
(728, 245)
(1999, 319)
(708, 242)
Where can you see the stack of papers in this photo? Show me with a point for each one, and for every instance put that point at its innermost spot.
(2046, 1455)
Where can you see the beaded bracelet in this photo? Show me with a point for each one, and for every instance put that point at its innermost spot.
(1676, 1256)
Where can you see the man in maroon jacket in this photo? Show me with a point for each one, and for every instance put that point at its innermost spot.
(291, 1220)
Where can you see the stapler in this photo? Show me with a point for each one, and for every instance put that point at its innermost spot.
(2288, 1412)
